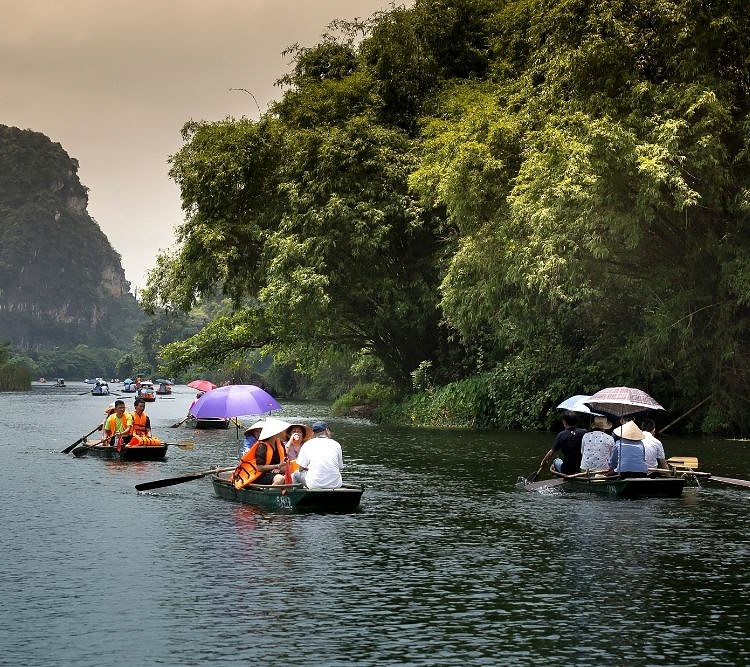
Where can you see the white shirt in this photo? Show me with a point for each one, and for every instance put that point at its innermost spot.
(323, 459)
(654, 450)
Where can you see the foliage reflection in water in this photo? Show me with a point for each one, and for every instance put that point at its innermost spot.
(447, 563)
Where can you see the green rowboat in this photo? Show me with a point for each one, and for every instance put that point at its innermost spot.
(292, 497)
(155, 453)
(629, 487)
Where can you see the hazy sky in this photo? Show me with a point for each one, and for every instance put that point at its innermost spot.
(113, 81)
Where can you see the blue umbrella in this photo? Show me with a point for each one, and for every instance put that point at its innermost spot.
(234, 400)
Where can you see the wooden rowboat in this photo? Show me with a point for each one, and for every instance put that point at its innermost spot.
(140, 453)
(292, 497)
(629, 487)
(211, 422)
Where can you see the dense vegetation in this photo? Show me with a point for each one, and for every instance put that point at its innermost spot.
(13, 377)
(501, 202)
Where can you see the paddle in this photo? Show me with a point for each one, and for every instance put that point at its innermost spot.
(171, 481)
(733, 482)
(185, 444)
(180, 423)
(81, 451)
(67, 450)
(533, 476)
(683, 461)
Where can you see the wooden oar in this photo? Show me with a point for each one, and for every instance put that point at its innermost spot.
(185, 444)
(69, 449)
(171, 481)
(729, 480)
(683, 461)
(180, 423)
(533, 476)
(81, 451)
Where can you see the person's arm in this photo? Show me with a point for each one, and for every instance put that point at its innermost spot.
(148, 426)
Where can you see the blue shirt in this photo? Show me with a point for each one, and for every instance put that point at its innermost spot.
(628, 456)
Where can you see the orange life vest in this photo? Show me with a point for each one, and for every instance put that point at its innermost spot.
(143, 441)
(246, 472)
(139, 423)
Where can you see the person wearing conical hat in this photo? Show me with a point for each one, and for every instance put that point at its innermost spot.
(628, 457)
(265, 461)
(597, 445)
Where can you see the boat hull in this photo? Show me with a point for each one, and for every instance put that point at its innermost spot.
(631, 487)
(295, 498)
(211, 422)
(155, 453)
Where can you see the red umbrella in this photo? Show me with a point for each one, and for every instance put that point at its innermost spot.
(202, 385)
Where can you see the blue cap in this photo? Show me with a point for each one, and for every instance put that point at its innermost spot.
(317, 427)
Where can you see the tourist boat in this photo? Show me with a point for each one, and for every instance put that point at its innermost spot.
(614, 485)
(60, 382)
(146, 391)
(291, 497)
(163, 388)
(209, 422)
(128, 385)
(100, 389)
(139, 453)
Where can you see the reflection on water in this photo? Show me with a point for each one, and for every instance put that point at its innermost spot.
(445, 564)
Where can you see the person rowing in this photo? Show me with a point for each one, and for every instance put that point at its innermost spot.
(118, 427)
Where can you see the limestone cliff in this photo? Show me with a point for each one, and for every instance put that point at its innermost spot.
(61, 282)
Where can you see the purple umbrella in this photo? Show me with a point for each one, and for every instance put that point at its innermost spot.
(234, 400)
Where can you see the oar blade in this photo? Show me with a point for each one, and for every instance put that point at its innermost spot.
(70, 448)
(159, 483)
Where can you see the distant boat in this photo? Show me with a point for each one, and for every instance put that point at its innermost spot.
(101, 388)
(60, 382)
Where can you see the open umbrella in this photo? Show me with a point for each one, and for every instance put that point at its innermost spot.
(234, 400)
(577, 403)
(201, 385)
(622, 401)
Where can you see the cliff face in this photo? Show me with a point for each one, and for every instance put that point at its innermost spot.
(61, 282)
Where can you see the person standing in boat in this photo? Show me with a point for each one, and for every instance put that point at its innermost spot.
(320, 461)
(597, 445)
(628, 457)
(568, 443)
(655, 457)
(118, 425)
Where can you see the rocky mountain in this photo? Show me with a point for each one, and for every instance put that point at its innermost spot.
(61, 282)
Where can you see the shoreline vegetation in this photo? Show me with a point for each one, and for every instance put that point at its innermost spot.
(485, 207)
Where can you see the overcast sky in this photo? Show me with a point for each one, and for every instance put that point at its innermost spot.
(113, 81)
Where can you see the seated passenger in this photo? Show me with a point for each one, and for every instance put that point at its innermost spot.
(596, 446)
(264, 462)
(655, 457)
(629, 454)
(568, 443)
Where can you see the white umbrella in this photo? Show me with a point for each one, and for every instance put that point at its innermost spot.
(622, 401)
(577, 403)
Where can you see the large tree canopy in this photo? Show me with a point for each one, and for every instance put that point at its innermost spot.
(547, 177)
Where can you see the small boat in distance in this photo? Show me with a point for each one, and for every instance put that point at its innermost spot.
(101, 388)
(60, 382)
(209, 422)
(146, 391)
(163, 388)
(292, 497)
(128, 385)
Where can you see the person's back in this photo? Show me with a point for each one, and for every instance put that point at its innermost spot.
(320, 460)
(596, 446)
(568, 443)
(655, 457)
(629, 455)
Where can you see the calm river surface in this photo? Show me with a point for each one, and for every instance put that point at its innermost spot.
(447, 563)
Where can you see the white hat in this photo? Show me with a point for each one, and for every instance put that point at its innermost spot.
(629, 431)
(272, 427)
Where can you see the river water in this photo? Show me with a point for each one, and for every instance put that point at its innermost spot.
(447, 563)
